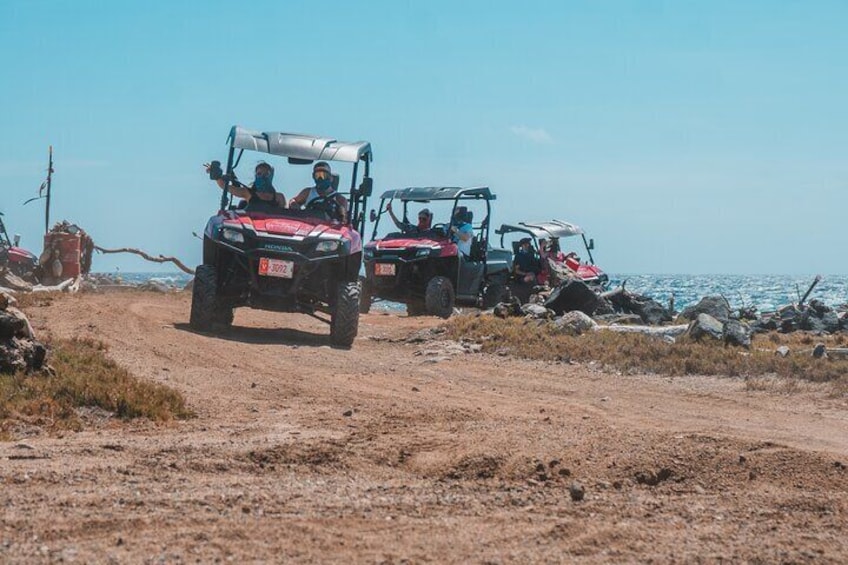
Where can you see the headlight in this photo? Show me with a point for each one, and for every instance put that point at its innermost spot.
(233, 236)
(422, 252)
(369, 252)
(327, 246)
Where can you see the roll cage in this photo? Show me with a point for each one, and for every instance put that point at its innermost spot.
(300, 149)
(423, 195)
(547, 230)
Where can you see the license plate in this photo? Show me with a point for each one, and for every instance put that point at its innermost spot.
(276, 268)
(384, 269)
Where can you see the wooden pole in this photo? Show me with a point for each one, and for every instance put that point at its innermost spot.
(49, 183)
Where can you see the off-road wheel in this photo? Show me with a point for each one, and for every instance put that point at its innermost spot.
(207, 311)
(439, 297)
(415, 308)
(494, 293)
(344, 322)
(365, 295)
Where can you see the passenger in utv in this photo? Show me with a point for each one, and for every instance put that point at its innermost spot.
(425, 219)
(259, 196)
(461, 231)
(323, 190)
(526, 266)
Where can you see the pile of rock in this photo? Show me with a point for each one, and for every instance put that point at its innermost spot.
(19, 351)
(711, 318)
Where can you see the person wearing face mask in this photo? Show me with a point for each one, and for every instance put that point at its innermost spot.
(425, 218)
(322, 175)
(260, 195)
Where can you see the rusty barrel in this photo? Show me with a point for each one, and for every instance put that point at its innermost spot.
(67, 247)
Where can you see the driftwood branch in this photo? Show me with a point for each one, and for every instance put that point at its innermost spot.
(147, 256)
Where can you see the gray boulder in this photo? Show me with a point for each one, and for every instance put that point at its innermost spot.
(819, 307)
(831, 322)
(572, 295)
(509, 308)
(715, 306)
(765, 324)
(810, 321)
(536, 311)
(705, 326)
(789, 318)
(574, 323)
(737, 333)
(649, 310)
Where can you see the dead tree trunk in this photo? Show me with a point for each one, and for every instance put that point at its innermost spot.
(159, 259)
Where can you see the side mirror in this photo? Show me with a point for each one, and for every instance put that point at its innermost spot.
(17, 241)
(366, 187)
(591, 244)
(373, 216)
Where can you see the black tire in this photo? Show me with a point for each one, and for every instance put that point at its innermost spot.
(207, 311)
(344, 322)
(494, 293)
(415, 308)
(365, 295)
(439, 297)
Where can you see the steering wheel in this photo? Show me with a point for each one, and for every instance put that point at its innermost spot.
(327, 204)
(441, 228)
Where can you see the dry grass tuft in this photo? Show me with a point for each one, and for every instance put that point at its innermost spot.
(632, 353)
(84, 377)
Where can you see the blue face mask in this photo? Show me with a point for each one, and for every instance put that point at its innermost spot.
(323, 184)
(262, 184)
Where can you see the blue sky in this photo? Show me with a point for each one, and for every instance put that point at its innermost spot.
(686, 137)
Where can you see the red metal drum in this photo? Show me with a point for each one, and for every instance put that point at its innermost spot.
(68, 246)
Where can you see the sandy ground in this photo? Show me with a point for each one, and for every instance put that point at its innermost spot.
(398, 451)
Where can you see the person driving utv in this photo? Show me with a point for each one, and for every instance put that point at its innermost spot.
(258, 196)
(323, 190)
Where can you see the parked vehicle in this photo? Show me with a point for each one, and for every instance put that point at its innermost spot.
(425, 269)
(282, 259)
(561, 234)
(18, 260)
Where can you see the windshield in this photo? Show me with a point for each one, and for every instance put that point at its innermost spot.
(409, 218)
(292, 186)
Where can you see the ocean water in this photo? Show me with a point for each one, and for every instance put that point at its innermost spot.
(765, 292)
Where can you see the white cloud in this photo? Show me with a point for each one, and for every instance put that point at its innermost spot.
(536, 135)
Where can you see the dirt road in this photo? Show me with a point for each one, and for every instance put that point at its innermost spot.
(399, 451)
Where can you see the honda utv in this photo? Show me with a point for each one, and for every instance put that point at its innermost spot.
(424, 268)
(17, 260)
(281, 259)
(556, 232)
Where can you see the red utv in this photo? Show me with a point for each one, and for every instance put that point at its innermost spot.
(283, 259)
(16, 259)
(559, 233)
(425, 269)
